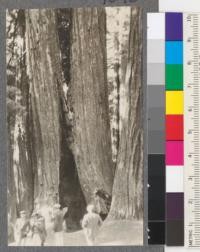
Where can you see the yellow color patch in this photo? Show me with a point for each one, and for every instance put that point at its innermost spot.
(174, 102)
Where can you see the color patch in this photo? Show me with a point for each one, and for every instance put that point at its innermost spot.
(156, 119)
(174, 127)
(174, 26)
(156, 24)
(156, 191)
(175, 233)
(174, 52)
(156, 142)
(156, 213)
(156, 51)
(174, 179)
(156, 96)
(156, 74)
(174, 102)
(174, 77)
(157, 165)
(174, 153)
(156, 233)
(175, 206)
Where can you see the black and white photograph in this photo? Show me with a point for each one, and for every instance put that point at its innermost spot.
(75, 126)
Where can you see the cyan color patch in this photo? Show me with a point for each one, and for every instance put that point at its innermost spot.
(174, 52)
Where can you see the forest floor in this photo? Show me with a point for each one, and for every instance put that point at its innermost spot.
(116, 233)
(112, 233)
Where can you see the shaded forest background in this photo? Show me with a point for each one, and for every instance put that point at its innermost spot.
(74, 109)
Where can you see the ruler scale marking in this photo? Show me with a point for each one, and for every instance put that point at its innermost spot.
(192, 122)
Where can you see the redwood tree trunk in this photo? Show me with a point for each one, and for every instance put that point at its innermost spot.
(20, 178)
(43, 68)
(89, 101)
(127, 195)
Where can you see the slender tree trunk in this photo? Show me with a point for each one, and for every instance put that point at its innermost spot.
(89, 101)
(43, 67)
(118, 26)
(127, 196)
(11, 196)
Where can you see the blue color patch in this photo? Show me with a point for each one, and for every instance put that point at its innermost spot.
(174, 52)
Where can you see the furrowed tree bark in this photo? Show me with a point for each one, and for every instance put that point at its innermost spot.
(127, 194)
(70, 193)
(89, 101)
(20, 179)
(43, 68)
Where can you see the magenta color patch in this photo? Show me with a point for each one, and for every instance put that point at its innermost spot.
(174, 153)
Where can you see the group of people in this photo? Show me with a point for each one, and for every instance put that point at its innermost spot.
(33, 230)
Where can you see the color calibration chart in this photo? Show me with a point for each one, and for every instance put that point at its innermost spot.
(173, 107)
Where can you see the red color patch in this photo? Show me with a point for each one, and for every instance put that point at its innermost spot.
(174, 127)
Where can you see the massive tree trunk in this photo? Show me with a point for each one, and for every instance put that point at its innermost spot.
(70, 193)
(127, 195)
(43, 68)
(20, 182)
(89, 101)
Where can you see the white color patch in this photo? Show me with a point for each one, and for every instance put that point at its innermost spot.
(179, 5)
(174, 178)
(156, 26)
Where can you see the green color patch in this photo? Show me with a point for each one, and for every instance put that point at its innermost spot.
(174, 77)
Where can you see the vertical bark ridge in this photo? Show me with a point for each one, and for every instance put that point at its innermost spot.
(43, 60)
(127, 197)
(88, 90)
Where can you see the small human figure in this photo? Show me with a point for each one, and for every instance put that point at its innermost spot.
(102, 201)
(66, 227)
(22, 228)
(58, 225)
(91, 223)
(38, 229)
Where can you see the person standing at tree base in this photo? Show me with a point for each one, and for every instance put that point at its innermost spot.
(102, 202)
(57, 218)
(91, 223)
(22, 228)
(38, 228)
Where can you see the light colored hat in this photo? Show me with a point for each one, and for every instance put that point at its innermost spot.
(57, 205)
(22, 212)
(90, 208)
